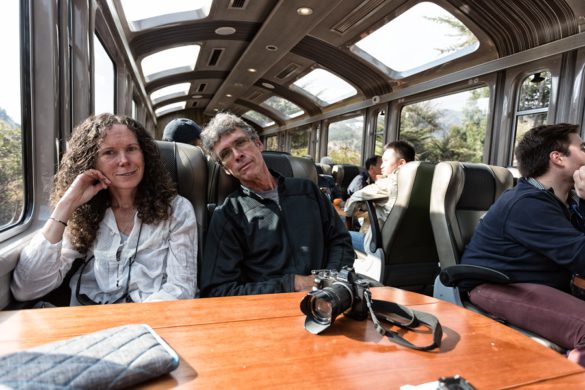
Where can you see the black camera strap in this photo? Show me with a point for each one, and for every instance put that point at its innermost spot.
(409, 319)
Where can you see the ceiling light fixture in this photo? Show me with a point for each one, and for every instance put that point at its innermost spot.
(305, 11)
(229, 95)
(251, 70)
(268, 85)
(271, 47)
(225, 30)
(197, 96)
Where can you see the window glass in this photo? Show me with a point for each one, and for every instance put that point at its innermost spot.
(533, 102)
(423, 36)
(170, 61)
(449, 128)
(325, 87)
(12, 194)
(344, 144)
(271, 143)
(134, 112)
(299, 142)
(158, 13)
(379, 143)
(170, 108)
(287, 108)
(256, 117)
(104, 79)
(170, 92)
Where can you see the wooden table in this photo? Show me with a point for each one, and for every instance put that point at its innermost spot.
(260, 342)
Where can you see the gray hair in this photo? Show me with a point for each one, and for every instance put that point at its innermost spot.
(222, 124)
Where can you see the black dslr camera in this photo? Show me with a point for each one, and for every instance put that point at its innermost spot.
(334, 293)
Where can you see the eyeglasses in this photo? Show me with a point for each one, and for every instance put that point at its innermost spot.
(227, 154)
(84, 300)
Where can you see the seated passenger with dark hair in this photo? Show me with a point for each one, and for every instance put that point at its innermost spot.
(373, 170)
(270, 234)
(182, 130)
(535, 234)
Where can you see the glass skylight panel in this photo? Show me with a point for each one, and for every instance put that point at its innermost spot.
(170, 108)
(325, 87)
(284, 106)
(425, 35)
(258, 118)
(170, 61)
(143, 14)
(170, 92)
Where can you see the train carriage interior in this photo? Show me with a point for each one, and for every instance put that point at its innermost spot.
(461, 80)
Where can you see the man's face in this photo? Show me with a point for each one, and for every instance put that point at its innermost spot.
(576, 156)
(240, 156)
(375, 170)
(391, 161)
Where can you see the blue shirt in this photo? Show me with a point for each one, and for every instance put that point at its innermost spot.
(531, 236)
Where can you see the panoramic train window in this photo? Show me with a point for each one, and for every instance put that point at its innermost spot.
(299, 142)
(170, 61)
(380, 124)
(324, 87)
(158, 13)
(11, 138)
(344, 143)
(448, 128)
(170, 92)
(286, 108)
(170, 108)
(256, 117)
(533, 102)
(422, 37)
(104, 78)
(271, 143)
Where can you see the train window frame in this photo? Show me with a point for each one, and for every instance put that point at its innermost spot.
(23, 52)
(258, 118)
(177, 11)
(283, 107)
(443, 93)
(317, 74)
(98, 86)
(169, 61)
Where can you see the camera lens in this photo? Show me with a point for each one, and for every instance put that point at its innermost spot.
(323, 306)
(321, 310)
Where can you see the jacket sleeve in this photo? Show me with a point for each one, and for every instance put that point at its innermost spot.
(222, 272)
(339, 250)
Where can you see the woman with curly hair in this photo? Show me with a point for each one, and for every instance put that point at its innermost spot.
(116, 207)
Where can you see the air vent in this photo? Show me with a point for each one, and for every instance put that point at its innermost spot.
(364, 10)
(255, 95)
(286, 72)
(194, 104)
(239, 4)
(214, 57)
(201, 87)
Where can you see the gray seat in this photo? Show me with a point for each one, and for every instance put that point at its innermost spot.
(405, 241)
(461, 194)
(343, 175)
(187, 166)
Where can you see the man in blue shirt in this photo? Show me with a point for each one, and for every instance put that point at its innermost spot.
(535, 234)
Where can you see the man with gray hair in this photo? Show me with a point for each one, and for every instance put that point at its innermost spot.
(270, 234)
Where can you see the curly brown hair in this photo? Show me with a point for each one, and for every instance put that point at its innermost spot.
(155, 191)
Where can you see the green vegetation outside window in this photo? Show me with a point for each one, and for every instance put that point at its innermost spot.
(345, 141)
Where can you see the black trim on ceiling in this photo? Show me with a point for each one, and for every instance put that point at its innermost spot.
(261, 110)
(367, 79)
(518, 25)
(185, 77)
(152, 41)
(186, 98)
(300, 100)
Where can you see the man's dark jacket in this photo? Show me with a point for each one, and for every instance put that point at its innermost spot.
(254, 246)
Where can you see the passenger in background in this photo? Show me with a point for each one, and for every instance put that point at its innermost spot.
(270, 234)
(183, 130)
(116, 207)
(383, 191)
(326, 160)
(373, 170)
(535, 234)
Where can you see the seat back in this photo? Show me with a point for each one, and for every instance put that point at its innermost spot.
(408, 244)
(344, 174)
(187, 166)
(322, 168)
(461, 194)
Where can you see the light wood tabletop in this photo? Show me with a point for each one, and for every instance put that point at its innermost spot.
(260, 342)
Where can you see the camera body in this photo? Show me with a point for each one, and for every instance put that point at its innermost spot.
(334, 293)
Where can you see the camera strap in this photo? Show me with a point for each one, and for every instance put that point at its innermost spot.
(403, 317)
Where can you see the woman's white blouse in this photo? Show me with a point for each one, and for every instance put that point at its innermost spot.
(165, 267)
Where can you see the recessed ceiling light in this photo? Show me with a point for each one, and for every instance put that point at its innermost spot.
(304, 11)
(238, 85)
(268, 85)
(197, 96)
(251, 70)
(271, 47)
(229, 95)
(216, 109)
(225, 30)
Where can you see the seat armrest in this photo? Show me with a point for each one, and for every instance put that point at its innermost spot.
(455, 274)
(376, 242)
